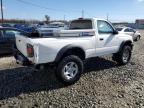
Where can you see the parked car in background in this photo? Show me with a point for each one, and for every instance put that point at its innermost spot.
(7, 39)
(127, 30)
(25, 27)
(6, 25)
(49, 30)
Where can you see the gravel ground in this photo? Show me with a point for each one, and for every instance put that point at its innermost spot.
(103, 85)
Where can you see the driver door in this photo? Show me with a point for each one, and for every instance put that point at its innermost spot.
(107, 39)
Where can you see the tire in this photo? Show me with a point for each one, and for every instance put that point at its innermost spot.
(124, 56)
(69, 70)
(138, 38)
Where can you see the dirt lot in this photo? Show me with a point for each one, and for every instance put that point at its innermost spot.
(103, 85)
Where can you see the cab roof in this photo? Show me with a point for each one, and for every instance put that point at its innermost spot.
(90, 19)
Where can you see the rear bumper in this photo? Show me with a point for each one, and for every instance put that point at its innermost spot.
(24, 61)
(20, 58)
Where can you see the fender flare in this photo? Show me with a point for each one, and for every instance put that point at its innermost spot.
(65, 49)
(124, 43)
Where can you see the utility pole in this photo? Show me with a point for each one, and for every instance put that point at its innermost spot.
(107, 16)
(82, 13)
(64, 17)
(2, 19)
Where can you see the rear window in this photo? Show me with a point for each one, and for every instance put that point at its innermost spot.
(81, 24)
(119, 29)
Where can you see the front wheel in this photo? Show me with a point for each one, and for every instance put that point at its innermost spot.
(138, 38)
(124, 56)
(69, 70)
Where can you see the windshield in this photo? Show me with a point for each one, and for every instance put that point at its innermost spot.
(81, 24)
(119, 29)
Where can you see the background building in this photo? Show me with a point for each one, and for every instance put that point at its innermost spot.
(139, 23)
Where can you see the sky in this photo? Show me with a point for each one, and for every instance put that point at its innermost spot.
(116, 10)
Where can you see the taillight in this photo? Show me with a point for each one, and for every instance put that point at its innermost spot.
(30, 50)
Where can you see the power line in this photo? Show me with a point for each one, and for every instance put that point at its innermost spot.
(42, 7)
(89, 14)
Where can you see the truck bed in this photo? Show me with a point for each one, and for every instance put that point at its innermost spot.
(48, 47)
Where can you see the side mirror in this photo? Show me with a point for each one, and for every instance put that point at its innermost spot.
(115, 32)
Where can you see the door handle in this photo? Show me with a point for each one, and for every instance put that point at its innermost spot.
(101, 39)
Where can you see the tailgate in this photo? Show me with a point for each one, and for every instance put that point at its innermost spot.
(21, 43)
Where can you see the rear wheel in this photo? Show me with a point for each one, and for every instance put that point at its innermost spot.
(124, 56)
(69, 70)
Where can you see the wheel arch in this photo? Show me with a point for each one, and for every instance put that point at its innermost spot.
(70, 50)
(128, 42)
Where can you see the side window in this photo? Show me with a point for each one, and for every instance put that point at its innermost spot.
(131, 30)
(127, 30)
(13, 33)
(9, 33)
(104, 27)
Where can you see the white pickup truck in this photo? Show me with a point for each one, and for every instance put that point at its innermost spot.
(67, 49)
